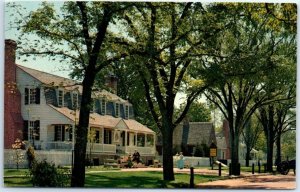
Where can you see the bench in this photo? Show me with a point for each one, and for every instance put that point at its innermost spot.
(111, 163)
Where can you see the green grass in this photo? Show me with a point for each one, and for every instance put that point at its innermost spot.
(17, 182)
(13, 172)
(116, 179)
(249, 169)
(139, 179)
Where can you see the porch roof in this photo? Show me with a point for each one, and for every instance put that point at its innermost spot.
(105, 121)
(136, 126)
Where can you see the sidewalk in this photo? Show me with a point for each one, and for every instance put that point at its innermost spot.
(245, 181)
(266, 181)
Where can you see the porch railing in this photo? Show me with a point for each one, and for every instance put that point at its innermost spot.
(106, 148)
(141, 150)
(101, 148)
(66, 146)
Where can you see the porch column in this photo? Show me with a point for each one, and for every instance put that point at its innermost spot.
(102, 138)
(145, 143)
(135, 138)
(126, 139)
(154, 142)
(125, 146)
(102, 135)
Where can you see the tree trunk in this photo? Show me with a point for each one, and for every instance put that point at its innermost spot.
(168, 172)
(278, 150)
(235, 154)
(270, 145)
(78, 172)
(247, 156)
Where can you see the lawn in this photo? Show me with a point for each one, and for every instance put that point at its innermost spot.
(115, 179)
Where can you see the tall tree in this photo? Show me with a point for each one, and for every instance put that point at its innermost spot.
(286, 121)
(250, 134)
(161, 38)
(244, 52)
(198, 112)
(78, 35)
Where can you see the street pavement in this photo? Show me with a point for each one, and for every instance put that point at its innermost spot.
(245, 181)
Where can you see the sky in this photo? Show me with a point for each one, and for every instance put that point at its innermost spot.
(43, 64)
(56, 68)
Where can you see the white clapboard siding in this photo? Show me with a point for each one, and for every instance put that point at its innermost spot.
(43, 112)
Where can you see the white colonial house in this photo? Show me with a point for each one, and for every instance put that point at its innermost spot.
(49, 108)
(48, 105)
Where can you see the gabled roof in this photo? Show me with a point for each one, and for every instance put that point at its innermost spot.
(136, 126)
(201, 132)
(105, 121)
(50, 79)
(193, 133)
(68, 84)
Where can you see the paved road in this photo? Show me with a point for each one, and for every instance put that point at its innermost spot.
(253, 182)
(246, 181)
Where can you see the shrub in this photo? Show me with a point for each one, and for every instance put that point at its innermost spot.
(44, 174)
(30, 156)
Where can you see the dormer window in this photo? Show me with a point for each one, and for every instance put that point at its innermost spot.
(60, 98)
(126, 111)
(103, 106)
(75, 100)
(117, 109)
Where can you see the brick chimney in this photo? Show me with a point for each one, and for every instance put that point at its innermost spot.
(13, 121)
(111, 82)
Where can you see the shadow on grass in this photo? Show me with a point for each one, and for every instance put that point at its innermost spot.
(123, 180)
(17, 182)
(140, 180)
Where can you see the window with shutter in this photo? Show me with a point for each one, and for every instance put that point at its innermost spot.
(32, 96)
(107, 136)
(117, 109)
(103, 107)
(60, 98)
(75, 100)
(32, 93)
(59, 133)
(97, 136)
(126, 112)
(36, 130)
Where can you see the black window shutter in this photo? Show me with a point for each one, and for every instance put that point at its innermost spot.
(109, 138)
(63, 133)
(37, 129)
(25, 131)
(37, 95)
(56, 133)
(26, 96)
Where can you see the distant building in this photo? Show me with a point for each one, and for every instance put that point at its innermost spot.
(188, 135)
(223, 142)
